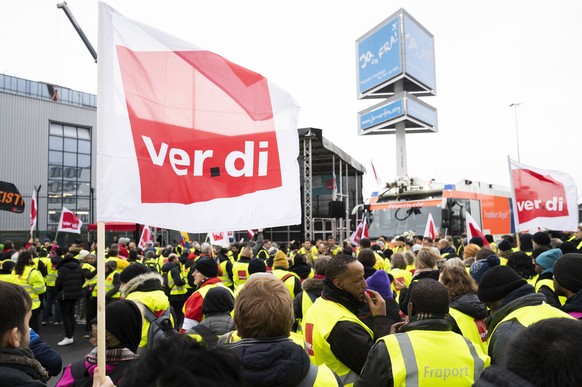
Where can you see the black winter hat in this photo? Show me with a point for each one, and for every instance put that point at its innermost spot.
(132, 271)
(541, 238)
(218, 300)
(568, 271)
(504, 245)
(525, 242)
(477, 240)
(207, 267)
(124, 321)
(498, 282)
(479, 268)
(257, 265)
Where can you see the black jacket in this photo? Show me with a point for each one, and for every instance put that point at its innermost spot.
(551, 296)
(19, 368)
(270, 362)
(70, 279)
(574, 303)
(378, 369)
(470, 305)
(496, 376)
(313, 287)
(348, 341)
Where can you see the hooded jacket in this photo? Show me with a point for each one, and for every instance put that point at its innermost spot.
(19, 368)
(271, 362)
(70, 279)
(313, 287)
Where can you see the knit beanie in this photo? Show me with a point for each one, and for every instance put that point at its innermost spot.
(504, 245)
(132, 271)
(541, 238)
(280, 260)
(150, 254)
(548, 258)
(207, 267)
(380, 283)
(83, 254)
(257, 265)
(124, 321)
(477, 240)
(218, 300)
(568, 271)
(478, 268)
(568, 247)
(498, 282)
(525, 242)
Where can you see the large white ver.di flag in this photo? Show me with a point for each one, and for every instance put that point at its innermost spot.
(543, 199)
(188, 140)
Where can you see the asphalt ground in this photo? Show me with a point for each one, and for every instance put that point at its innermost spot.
(52, 334)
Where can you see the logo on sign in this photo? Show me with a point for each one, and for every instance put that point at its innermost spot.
(538, 195)
(205, 129)
(70, 221)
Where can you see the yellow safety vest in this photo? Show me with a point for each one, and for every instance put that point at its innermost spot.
(240, 273)
(174, 289)
(317, 325)
(154, 300)
(550, 284)
(109, 284)
(51, 273)
(31, 280)
(381, 263)
(91, 281)
(528, 315)
(461, 366)
(203, 290)
(532, 281)
(224, 278)
(289, 281)
(472, 328)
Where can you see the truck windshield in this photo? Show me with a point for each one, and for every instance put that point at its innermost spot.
(395, 221)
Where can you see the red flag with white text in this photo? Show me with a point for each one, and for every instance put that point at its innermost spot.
(201, 135)
(430, 230)
(33, 212)
(361, 231)
(146, 239)
(473, 229)
(69, 222)
(543, 199)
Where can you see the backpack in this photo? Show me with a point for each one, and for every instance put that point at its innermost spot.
(153, 265)
(160, 327)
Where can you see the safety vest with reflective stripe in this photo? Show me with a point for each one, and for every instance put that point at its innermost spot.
(240, 273)
(472, 328)
(319, 376)
(51, 272)
(109, 284)
(289, 281)
(224, 278)
(317, 325)
(528, 315)
(32, 281)
(90, 281)
(203, 290)
(441, 359)
(174, 289)
(550, 284)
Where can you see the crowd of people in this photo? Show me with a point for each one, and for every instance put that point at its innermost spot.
(400, 311)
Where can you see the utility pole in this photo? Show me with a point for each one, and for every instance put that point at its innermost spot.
(515, 105)
(65, 9)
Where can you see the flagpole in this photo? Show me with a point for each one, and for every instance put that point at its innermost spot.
(101, 299)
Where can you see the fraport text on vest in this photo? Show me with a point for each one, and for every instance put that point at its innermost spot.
(444, 373)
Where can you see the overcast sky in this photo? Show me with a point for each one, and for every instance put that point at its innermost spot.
(489, 54)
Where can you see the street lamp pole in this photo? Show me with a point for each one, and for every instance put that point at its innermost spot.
(515, 105)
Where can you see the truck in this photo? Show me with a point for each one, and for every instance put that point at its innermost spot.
(405, 204)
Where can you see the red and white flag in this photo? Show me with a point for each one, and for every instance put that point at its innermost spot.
(430, 230)
(221, 238)
(147, 238)
(361, 231)
(543, 199)
(378, 180)
(69, 222)
(201, 135)
(251, 233)
(33, 212)
(473, 229)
